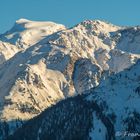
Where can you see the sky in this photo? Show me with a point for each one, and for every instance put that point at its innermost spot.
(69, 12)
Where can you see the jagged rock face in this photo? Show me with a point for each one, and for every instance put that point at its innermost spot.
(86, 75)
(46, 63)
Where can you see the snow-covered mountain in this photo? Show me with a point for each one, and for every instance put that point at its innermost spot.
(42, 63)
(24, 34)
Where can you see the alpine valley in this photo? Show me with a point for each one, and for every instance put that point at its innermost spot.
(79, 83)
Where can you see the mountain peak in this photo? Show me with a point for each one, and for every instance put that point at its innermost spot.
(22, 20)
(30, 32)
(100, 25)
(96, 21)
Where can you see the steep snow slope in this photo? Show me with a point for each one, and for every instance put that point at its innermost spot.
(24, 34)
(7, 50)
(129, 41)
(56, 65)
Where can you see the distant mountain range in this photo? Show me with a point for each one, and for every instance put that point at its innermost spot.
(80, 83)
